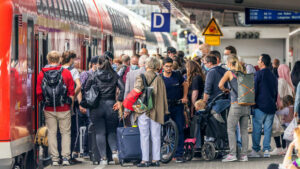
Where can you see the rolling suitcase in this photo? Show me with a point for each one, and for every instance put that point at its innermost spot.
(129, 147)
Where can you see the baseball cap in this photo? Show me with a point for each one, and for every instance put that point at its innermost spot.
(171, 50)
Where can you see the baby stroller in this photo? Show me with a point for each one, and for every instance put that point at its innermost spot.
(214, 126)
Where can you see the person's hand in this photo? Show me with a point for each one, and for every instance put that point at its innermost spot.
(117, 106)
(295, 114)
(226, 91)
(126, 113)
(292, 144)
(184, 100)
(82, 110)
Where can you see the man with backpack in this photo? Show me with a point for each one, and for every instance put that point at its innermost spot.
(266, 90)
(177, 90)
(55, 88)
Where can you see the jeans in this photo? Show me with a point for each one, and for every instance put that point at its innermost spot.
(221, 105)
(238, 114)
(178, 116)
(261, 118)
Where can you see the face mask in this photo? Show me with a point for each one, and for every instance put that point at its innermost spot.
(134, 67)
(225, 58)
(114, 66)
(206, 68)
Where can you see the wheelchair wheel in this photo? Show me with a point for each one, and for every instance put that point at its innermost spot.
(209, 151)
(169, 141)
(188, 151)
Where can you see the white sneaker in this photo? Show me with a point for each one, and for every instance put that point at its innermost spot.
(243, 158)
(267, 154)
(55, 163)
(103, 162)
(254, 154)
(229, 158)
(115, 158)
(277, 151)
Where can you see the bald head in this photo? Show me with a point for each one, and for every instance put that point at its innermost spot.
(205, 49)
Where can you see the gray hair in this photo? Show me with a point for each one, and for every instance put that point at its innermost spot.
(142, 60)
(152, 63)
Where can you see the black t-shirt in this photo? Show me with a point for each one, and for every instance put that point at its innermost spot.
(197, 84)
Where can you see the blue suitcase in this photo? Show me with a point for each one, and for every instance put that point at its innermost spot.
(129, 146)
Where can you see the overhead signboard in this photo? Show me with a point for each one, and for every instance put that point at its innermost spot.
(160, 22)
(212, 29)
(192, 38)
(266, 16)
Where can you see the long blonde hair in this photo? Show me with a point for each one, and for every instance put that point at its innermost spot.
(234, 61)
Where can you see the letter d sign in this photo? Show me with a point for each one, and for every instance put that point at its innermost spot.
(160, 22)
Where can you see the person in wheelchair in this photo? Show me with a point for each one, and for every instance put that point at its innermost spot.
(177, 90)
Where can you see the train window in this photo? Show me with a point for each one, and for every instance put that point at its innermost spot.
(84, 15)
(56, 9)
(61, 9)
(45, 7)
(39, 5)
(71, 11)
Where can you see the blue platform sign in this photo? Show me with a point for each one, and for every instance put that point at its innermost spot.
(266, 16)
(160, 22)
(191, 38)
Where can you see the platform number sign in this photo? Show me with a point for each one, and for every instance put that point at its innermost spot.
(191, 38)
(160, 22)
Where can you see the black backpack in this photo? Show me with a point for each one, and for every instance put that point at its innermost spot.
(54, 89)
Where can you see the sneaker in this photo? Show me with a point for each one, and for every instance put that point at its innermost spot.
(267, 154)
(277, 151)
(115, 158)
(65, 162)
(55, 163)
(229, 158)
(254, 154)
(103, 162)
(180, 160)
(243, 158)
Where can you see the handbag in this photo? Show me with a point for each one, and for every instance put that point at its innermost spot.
(289, 131)
(145, 102)
(92, 96)
(277, 129)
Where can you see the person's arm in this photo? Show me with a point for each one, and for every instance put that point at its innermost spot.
(121, 87)
(224, 79)
(185, 92)
(208, 87)
(77, 89)
(127, 87)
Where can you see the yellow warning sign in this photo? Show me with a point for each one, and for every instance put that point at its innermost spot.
(212, 29)
(213, 40)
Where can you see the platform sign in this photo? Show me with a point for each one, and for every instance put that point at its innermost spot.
(212, 33)
(192, 38)
(160, 22)
(266, 16)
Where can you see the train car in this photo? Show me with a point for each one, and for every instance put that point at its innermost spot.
(32, 28)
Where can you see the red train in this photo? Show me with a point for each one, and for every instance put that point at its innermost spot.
(31, 28)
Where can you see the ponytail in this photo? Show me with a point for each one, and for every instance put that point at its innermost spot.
(234, 61)
(104, 64)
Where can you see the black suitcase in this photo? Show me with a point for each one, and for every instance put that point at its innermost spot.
(129, 147)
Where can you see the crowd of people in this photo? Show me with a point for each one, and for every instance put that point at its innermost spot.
(178, 83)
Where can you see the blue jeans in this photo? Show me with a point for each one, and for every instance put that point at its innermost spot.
(260, 118)
(177, 116)
(221, 105)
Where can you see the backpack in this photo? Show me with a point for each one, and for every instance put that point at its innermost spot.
(246, 91)
(145, 102)
(83, 102)
(54, 89)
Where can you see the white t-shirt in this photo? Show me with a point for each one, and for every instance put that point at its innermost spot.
(74, 72)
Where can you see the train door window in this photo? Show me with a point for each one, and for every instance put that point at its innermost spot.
(67, 45)
(39, 4)
(15, 42)
(56, 9)
(51, 9)
(61, 9)
(30, 60)
(45, 7)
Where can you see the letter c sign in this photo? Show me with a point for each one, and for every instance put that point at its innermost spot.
(160, 22)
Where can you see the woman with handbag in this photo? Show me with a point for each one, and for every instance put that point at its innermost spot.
(104, 114)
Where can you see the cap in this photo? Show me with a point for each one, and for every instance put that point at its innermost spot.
(94, 59)
(171, 50)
